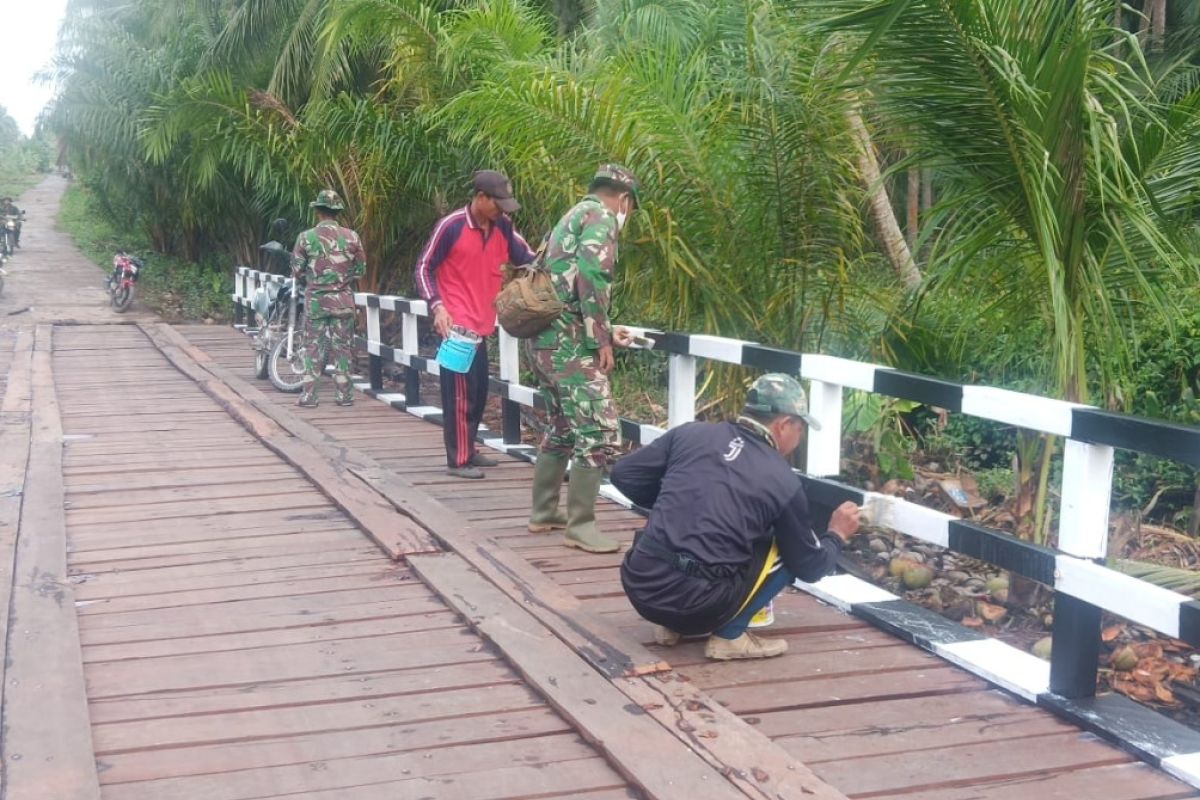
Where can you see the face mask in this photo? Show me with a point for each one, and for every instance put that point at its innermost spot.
(621, 217)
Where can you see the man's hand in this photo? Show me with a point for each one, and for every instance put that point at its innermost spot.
(844, 521)
(604, 359)
(622, 336)
(442, 323)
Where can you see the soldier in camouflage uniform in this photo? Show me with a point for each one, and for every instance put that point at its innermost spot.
(572, 358)
(329, 258)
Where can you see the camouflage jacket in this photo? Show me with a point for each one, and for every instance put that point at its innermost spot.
(329, 257)
(580, 255)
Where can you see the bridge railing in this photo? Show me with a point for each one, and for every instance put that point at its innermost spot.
(1083, 586)
(246, 282)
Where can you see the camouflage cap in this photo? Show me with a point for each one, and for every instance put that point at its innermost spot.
(329, 199)
(622, 175)
(776, 393)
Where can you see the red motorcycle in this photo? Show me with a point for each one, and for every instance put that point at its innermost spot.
(121, 282)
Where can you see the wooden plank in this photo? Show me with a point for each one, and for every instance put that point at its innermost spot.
(344, 715)
(265, 695)
(314, 749)
(1121, 782)
(347, 773)
(964, 765)
(47, 746)
(602, 645)
(645, 753)
(172, 673)
(247, 641)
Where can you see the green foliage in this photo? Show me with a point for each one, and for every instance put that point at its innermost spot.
(882, 422)
(172, 287)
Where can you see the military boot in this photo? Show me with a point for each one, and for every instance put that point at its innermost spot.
(548, 475)
(582, 491)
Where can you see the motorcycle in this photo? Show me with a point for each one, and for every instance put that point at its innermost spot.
(12, 224)
(278, 308)
(122, 280)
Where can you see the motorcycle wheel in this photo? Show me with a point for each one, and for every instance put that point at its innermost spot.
(286, 376)
(122, 299)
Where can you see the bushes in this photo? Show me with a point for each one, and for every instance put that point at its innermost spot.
(171, 287)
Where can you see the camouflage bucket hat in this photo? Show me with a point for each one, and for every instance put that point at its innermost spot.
(776, 393)
(622, 175)
(327, 198)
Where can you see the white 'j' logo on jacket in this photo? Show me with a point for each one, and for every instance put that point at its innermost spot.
(735, 448)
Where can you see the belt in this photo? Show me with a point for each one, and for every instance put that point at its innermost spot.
(680, 561)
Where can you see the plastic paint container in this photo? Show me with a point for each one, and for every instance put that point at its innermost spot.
(764, 617)
(458, 350)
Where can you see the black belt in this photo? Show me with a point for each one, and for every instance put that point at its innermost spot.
(680, 561)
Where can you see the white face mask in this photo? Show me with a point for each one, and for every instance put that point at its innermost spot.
(621, 216)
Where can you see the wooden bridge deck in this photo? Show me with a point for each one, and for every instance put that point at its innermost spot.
(194, 601)
(867, 713)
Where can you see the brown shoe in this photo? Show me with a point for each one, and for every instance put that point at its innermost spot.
(480, 460)
(665, 636)
(745, 646)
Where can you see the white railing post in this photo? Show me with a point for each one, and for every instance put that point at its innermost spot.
(1086, 494)
(374, 339)
(681, 390)
(410, 345)
(510, 357)
(825, 445)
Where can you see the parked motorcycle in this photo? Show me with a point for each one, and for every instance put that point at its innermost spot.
(12, 224)
(122, 281)
(278, 310)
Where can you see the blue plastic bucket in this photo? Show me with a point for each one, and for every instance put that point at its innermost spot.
(458, 350)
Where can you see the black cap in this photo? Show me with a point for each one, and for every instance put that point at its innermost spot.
(497, 186)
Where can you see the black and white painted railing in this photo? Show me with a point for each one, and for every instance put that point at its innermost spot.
(246, 283)
(1083, 586)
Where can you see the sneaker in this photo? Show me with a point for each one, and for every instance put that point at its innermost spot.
(473, 473)
(308, 403)
(665, 636)
(745, 646)
(344, 402)
(480, 460)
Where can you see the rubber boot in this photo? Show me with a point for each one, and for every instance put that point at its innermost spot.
(582, 491)
(548, 474)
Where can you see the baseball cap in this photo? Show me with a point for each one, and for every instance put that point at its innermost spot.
(622, 176)
(497, 186)
(776, 393)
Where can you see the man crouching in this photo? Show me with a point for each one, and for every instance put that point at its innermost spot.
(729, 524)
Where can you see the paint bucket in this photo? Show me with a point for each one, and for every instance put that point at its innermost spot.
(764, 616)
(458, 350)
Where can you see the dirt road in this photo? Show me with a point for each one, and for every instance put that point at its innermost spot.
(49, 280)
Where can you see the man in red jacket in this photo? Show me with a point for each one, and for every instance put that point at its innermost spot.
(459, 274)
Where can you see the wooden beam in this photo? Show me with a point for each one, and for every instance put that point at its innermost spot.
(643, 751)
(47, 743)
(601, 644)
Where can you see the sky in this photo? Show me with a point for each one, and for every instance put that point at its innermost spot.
(30, 33)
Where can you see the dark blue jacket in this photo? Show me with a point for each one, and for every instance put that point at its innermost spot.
(718, 493)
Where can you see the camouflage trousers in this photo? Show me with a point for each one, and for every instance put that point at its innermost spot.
(328, 340)
(580, 415)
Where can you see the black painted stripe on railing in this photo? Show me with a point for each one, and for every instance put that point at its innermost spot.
(929, 391)
(372, 301)
(1127, 432)
(1189, 622)
(830, 494)
(676, 343)
(1004, 551)
(771, 359)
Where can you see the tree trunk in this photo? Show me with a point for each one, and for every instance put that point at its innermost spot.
(883, 217)
(912, 207)
(1158, 24)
